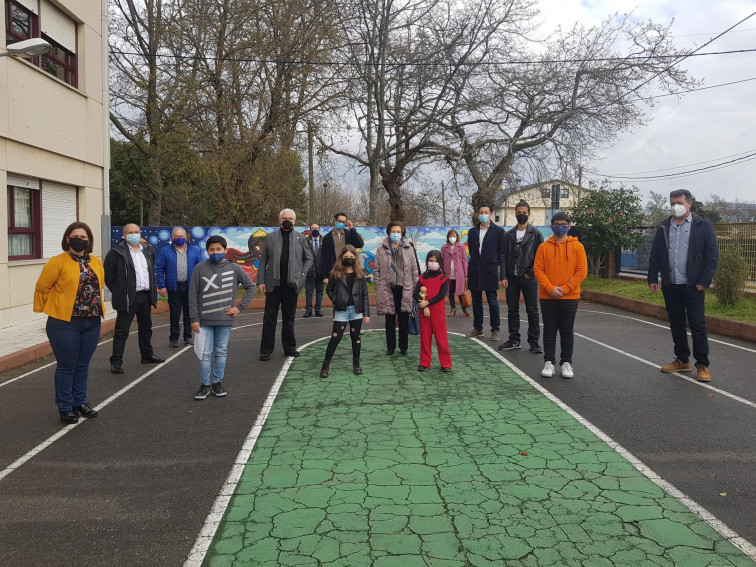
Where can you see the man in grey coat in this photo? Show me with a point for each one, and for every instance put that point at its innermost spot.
(284, 264)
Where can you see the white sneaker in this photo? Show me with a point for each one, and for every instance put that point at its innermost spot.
(567, 371)
(548, 370)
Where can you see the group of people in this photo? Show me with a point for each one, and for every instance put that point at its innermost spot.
(70, 291)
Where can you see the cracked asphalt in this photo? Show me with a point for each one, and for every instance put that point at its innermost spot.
(395, 467)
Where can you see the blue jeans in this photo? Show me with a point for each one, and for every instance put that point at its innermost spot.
(493, 309)
(313, 286)
(349, 315)
(216, 341)
(73, 344)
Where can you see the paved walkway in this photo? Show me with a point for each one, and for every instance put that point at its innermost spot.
(477, 467)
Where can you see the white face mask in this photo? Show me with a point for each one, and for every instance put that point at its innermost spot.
(678, 210)
(452, 240)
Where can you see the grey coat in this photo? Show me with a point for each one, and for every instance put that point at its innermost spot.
(384, 298)
(300, 260)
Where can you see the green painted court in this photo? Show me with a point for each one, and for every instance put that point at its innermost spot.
(477, 467)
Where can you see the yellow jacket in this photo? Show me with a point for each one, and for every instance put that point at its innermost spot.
(58, 284)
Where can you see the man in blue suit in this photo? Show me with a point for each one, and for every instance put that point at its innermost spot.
(486, 270)
(173, 273)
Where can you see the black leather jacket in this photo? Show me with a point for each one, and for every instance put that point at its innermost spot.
(338, 292)
(525, 258)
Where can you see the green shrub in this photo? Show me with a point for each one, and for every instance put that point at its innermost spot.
(732, 274)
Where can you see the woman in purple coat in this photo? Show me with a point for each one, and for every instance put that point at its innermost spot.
(455, 266)
(395, 274)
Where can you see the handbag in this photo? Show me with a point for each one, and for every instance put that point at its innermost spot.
(413, 327)
(465, 300)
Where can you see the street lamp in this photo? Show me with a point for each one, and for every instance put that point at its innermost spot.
(27, 48)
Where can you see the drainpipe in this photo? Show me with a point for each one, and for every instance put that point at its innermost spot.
(105, 218)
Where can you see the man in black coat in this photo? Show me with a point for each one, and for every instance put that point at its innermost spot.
(314, 284)
(130, 277)
(686, 253)
(522, 241)
(486, 270)
(342, 233)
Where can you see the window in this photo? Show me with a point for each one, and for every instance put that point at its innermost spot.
(25, 19)
(497, 218)
(564, 192)
(546, 193)
(24, 222)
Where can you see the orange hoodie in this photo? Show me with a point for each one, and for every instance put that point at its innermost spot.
(561, 264)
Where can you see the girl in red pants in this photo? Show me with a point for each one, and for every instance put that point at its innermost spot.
(430, 300)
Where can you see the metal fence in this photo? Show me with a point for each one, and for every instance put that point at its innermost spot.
(729, 235)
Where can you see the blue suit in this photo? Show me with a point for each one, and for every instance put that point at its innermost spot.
(178, 293)
(487, 267)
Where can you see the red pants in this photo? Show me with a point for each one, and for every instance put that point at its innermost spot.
(434, 325)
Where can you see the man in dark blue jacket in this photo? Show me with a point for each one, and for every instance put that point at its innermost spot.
(686, 253)
(342, 233)
(486, 270)
(173, 273)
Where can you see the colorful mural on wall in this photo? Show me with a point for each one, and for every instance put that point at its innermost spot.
(245, 244)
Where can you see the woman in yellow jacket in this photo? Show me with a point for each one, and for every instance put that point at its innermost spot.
(69, 290)
(560, 267)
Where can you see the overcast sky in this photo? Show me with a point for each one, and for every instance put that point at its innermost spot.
(701, 126)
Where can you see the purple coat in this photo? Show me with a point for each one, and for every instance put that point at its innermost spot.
(384, 298)
(458, 255)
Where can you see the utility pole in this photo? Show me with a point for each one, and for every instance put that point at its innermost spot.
(580, 182)
(443, 204)
(311, 172)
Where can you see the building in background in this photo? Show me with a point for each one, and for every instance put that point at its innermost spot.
(53, 129)
(545, 198)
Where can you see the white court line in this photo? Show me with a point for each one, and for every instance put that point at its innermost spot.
(678, 374)
(68, 428)
(666, 327)
(723, 529)
(214, 518)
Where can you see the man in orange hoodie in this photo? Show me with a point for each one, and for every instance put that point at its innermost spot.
(560, 267)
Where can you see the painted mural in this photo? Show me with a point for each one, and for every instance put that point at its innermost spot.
(245, 244)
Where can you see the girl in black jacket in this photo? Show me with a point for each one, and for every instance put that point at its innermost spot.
(347, 289)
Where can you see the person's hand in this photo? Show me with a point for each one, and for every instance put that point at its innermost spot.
(423, 304)
(426, 312)
(505, 283)
(349, 224)
(325, 281)
(162, 291)
(196, 327)
(653, 287)
(557, 292)
(366, 320)
(699, 287)
(526, 276)
(233, 311)
(261, 287)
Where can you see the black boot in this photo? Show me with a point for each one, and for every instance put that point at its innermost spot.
(324, 369)
(356, 366)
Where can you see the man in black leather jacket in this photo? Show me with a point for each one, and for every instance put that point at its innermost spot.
(522, 241)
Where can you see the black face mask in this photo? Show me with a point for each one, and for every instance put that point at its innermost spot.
(347, 261)
(287, 225)
(77, 244)
(522, 219)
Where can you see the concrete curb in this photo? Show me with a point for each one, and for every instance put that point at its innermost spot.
(718, 325)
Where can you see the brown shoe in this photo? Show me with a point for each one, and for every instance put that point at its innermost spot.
(703, 373)
(466, 312)
(452, 313)
(676, 365)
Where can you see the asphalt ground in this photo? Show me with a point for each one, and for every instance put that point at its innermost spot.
(135, 485)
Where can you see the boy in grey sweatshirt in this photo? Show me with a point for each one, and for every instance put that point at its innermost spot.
(212, 293)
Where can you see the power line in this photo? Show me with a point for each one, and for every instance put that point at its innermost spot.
(699, 89)
(730, 163)
(681, 166)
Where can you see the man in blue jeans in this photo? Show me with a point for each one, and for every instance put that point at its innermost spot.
(486, 270)
(686, 253)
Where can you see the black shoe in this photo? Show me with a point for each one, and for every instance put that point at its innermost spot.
(153, 360)
(535, 349)
(357, 368)
(446, 369)
(510, 345)
(188, 342)
(202, 392)
(294, 353)
(68, 417)
(390, 352)
(116, 368)
(218, 390)
(422, 368)
(85, 410)
(173, 343)
(264, 357)
(307, 314)
(324, 369)
(404, 353)
(318, 314)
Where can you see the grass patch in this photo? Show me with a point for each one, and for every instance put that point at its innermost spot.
(744, 310)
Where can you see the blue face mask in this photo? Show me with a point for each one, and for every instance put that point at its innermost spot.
(217, 258)
(560, 230)
(483, 218)
(340, 225)
(315, 232)
(395, 236)
(133, 238)
(179, 241)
